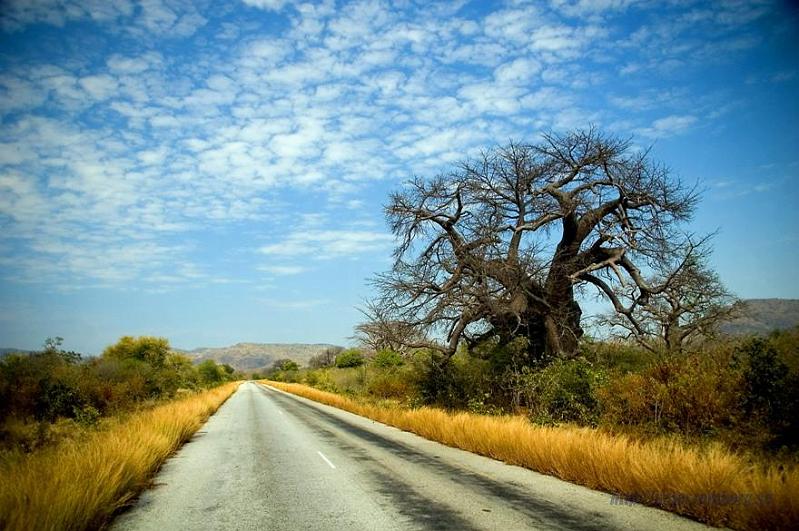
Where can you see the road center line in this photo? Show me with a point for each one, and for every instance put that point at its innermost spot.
(326, 459)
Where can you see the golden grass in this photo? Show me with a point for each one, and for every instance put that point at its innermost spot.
(711, 484)
(79, 484)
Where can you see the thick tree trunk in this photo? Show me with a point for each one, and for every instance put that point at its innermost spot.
(563, 330)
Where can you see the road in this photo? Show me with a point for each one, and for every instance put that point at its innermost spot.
(270, 460)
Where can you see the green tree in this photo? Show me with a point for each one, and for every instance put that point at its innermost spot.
(386, 359)
(285, 364)
(210, 372)
(150, 350)
(350, 358)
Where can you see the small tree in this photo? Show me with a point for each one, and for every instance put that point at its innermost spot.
(386, 359)
(151, 350)
(52, 345)
(285, 364)
(326, 358)
(210, 372)
(690, 302)
(350, 358)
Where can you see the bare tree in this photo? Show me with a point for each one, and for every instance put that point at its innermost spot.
(690, 303)
(495, 249)
(378, 334)
(326, 358)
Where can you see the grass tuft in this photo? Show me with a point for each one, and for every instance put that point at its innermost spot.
(80, 484)
(709, 484)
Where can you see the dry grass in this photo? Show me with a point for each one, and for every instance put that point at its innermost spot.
(79, 484)
(711, 484)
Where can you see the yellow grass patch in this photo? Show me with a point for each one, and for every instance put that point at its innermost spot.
(710, 484)
(79, 484)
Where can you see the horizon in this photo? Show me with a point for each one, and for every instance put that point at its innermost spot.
(208, 174)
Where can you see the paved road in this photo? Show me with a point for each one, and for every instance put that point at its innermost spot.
(269, 460)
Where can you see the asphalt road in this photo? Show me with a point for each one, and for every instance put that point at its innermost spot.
(270, 460)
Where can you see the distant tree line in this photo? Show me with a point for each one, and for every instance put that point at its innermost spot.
(53, 384)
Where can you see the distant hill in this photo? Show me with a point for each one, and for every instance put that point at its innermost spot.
(7, 351)
(255, 356)
(764, 315)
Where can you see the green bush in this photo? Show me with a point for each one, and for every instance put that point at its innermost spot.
(44, 393)
(386, 359)
(151, 350)
(563, 391)
(350, 358)
(770, 391)
(452, 383)
(210, 372)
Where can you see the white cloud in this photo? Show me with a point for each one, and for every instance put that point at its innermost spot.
(99, 87)
(325, 244)
(270, 5)
(283, 270)
(294, 304)
(140, 147)
(668, 126)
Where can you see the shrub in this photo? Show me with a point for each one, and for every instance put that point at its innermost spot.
(350, 358)
(389, 384)
(210, 372)
(151, 350)
(387, 359)
(563, 391)
(696, 394)
(770, 391)
(452, 383)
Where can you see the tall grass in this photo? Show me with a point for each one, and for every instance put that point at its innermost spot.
(709, 484)
(79, 484)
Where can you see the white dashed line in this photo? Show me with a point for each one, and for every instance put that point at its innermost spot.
(326, 460)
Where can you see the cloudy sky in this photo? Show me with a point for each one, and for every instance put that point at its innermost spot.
(214, 172)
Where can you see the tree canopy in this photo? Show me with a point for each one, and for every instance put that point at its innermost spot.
(495, 249)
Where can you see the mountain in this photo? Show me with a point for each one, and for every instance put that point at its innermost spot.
(764, 315)
(255, 356)
(7, 351)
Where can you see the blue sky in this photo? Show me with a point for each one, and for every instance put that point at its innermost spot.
(214, 172)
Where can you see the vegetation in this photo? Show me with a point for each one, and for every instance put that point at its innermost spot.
(54, 394)
(349, 358)
(662, 473)
(722, 412)
(80, 484)
(479, 314)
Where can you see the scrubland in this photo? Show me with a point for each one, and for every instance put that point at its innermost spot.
(710, 433)
(79, 484)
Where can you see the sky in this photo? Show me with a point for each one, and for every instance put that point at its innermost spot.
(215, 172)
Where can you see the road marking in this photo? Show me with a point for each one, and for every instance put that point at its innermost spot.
(326, 460)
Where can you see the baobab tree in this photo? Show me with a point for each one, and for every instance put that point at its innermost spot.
(495, 250)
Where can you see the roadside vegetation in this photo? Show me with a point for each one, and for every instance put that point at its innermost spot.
(708, 483)
(79, 484)
(741, 393)
(709, 434)
(80, 437)
(54, 394)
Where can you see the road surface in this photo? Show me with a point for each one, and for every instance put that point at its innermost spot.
(270, 460)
